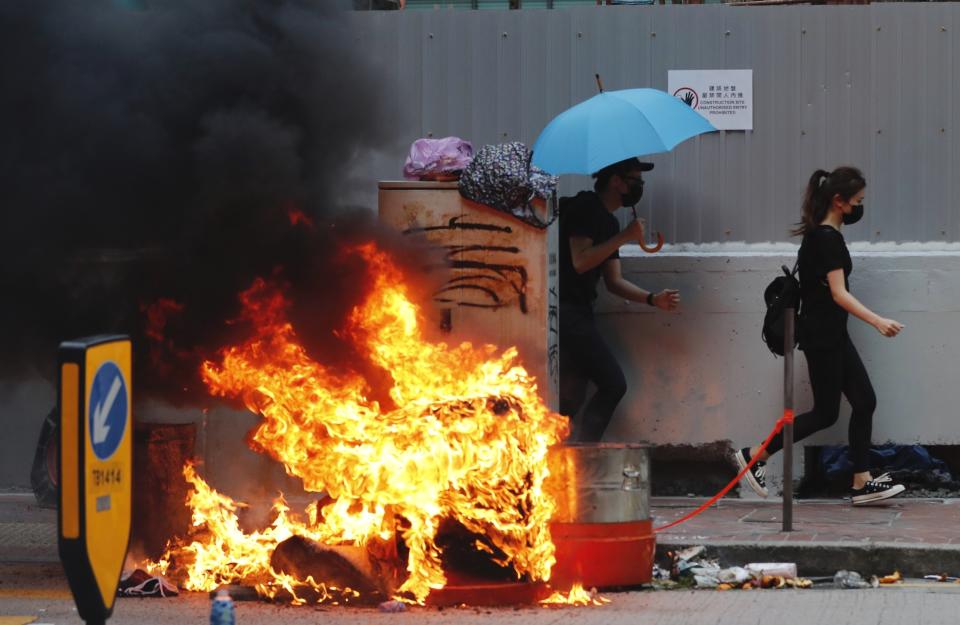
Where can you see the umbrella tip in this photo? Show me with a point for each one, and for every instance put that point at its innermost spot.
(599, 82)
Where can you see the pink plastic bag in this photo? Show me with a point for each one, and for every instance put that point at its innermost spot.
(437, 159)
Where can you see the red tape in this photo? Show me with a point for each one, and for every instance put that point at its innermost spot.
(786, 418)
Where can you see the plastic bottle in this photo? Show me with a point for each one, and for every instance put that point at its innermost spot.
(221, 609)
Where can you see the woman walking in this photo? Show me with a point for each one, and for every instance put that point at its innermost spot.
(832, 200)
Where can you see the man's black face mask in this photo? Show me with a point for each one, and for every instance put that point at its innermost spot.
(635, 192)
(854, 216)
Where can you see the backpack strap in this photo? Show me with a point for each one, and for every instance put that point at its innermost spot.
(792, 273)
(795, 284)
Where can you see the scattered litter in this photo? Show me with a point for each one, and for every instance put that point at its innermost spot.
(942, 577)
(689, 553)
(703, 573)
(660, 573)
(734, 575)
(393, 606)
(661, 578)
(139, 583)
(783, 569)
(852, 579)
(689, 565)
(664, 584)
(707, 581)
(799, 582)
(893, 578)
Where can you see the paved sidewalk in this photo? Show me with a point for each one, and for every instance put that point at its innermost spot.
(28, 533)
(916, 536)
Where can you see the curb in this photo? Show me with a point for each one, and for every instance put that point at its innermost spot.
(826, 558)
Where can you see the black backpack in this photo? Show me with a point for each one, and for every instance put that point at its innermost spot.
(782, 293)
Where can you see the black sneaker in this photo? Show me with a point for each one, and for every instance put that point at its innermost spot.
(755, 476)
(875, 490)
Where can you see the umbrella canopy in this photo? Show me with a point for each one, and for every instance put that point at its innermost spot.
(612, 126)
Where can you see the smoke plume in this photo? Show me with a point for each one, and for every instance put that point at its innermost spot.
(159, 156)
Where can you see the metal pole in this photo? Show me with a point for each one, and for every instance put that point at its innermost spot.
(788, 428)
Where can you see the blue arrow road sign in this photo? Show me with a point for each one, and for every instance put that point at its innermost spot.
(108, 410)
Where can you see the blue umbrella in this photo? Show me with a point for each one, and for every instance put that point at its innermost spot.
(612, 126)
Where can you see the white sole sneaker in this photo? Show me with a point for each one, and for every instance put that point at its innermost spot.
(868, 498)
(742, 463)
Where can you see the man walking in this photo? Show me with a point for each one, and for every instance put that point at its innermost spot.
(590, 240)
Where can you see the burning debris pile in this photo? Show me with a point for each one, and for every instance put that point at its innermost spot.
(461, 443)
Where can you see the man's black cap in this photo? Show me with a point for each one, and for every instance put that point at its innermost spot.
(622, 167)
(619, 169)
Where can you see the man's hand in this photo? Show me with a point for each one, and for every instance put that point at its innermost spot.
(634, 230)
(667, 299)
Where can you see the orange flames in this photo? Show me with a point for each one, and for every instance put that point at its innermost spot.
(466, 439)
(297, 217)
(577, 595)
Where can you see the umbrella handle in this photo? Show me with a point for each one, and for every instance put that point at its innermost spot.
(643, 246)
(652, 249)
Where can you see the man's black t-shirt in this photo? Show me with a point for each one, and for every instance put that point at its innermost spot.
(823, 324)
(583, 215)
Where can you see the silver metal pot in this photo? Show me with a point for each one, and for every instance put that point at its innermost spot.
(600, 482)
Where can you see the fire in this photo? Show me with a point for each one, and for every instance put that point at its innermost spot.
(465, 439)
(298, 217)
(226, 554)
(576, 596)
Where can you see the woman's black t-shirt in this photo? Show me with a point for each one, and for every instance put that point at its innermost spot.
(823, 324)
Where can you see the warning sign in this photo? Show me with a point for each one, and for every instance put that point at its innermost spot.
(723, 96)
(95, 469)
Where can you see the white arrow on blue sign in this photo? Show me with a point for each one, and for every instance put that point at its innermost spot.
(108, 410)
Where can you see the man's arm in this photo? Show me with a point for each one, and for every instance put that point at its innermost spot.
(586, 255)
(667, 299)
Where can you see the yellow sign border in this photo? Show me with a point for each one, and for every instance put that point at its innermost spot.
(103, 527)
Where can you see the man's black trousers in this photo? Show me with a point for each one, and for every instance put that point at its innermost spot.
(585, 357)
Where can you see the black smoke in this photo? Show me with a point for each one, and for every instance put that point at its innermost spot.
(164, 151)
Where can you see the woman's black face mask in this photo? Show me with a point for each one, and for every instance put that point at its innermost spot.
(854, 215)
(635, 192)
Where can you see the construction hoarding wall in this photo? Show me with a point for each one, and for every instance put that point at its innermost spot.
(864, 85)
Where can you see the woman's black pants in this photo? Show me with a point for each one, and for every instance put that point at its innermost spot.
(834, 372)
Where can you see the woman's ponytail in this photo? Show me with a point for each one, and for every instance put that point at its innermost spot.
(822, 186)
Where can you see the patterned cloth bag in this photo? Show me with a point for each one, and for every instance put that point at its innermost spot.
(501, 176)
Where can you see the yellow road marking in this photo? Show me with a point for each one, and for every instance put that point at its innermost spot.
(34, 593)
(16, 620)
